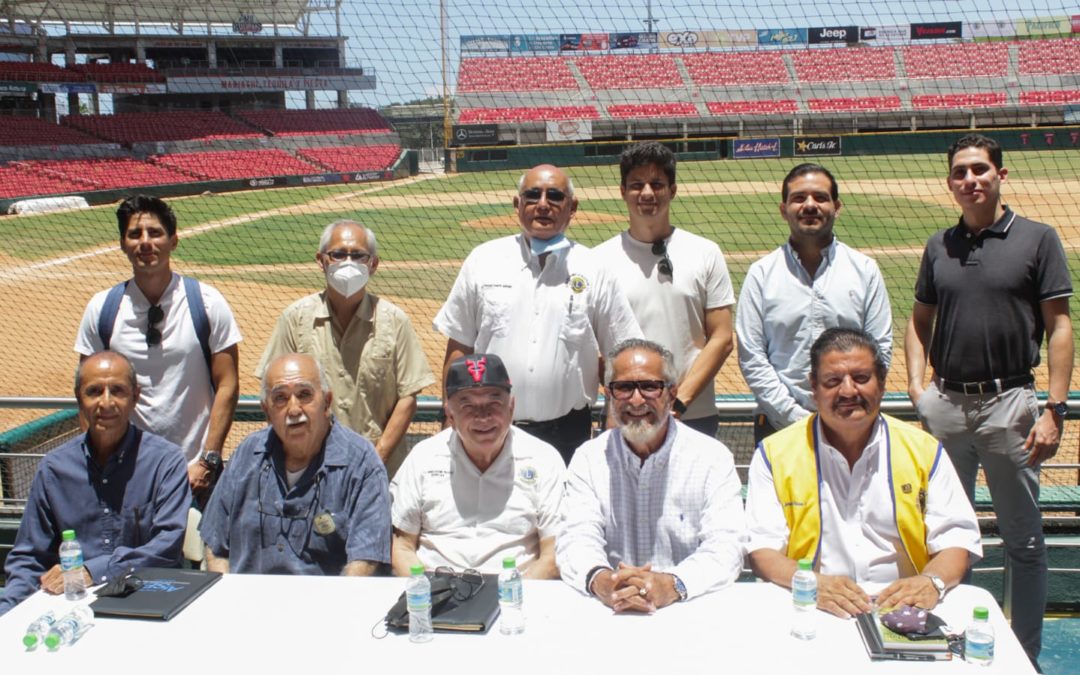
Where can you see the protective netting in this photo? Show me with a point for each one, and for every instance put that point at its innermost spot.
(210, 115)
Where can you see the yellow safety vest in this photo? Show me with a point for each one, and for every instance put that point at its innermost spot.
(792, 457)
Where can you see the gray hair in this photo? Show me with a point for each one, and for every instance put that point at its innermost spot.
(645, 345)
(132, 379)
(845, 340)
(569, 184)
(328, 232)
(324, 379)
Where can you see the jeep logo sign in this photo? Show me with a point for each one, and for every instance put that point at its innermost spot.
(848, 34)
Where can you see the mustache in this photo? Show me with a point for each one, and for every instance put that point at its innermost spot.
(847, 401)
(302, 418)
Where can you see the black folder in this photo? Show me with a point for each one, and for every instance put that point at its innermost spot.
(476, 614)
(164, 593)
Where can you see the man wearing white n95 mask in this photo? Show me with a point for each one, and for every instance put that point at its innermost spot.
(366, 344)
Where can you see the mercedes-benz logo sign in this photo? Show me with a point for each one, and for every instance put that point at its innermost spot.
(462, 134)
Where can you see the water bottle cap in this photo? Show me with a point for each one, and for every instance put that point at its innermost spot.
(52, 640)
(806, 565)
(416, 570)
(509, 563)
(68, 535)
(30, 640)
(982, 613)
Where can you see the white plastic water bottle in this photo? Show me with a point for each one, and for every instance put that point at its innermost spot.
(979, 638)
(418, 600)
(70, 627)
(804, 598)
(36, 631)
(71, 562)
(511, 616)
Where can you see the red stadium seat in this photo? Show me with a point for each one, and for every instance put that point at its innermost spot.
(15, 131)
(525, 114)
(736, 68)
(857, 104)
(947, 101)
(517, 73)
(630, 71)
(353, 157)
(970, 59)
(1050, 57)
(762, 107)
(236, 164)
(317, 122)
(21, 71)
(844, 64)
(1056, 97)
(156, 127)
(118, 72)
(653, 110)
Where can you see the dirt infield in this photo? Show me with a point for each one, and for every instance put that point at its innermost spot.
(42, 302)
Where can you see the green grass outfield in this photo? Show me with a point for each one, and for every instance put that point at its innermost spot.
(901, 200)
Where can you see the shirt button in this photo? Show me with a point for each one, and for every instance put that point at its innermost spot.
(280, 548)
(105, 481)
(106, 541)
(106, 510)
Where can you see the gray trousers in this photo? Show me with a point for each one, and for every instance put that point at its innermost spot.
(990, 430)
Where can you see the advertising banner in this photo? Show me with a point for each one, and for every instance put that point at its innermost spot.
(595, 41)
(937, 31)
(133, 88)
(781, 36)
(748, 148)
(17, 88)
(266, 182)
(991, 29)
(1047, 25)
(548, 43)
(486, 43)
(729, 38)
(67, 88)
(682, 39)
(569, 130)
(824, 34)
(633, 40)
(475, 134)
(209, 84)
(885, 34)
(817, 145)
(321, 179)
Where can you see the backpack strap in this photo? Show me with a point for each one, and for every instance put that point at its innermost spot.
(198, 317)
(107, 318)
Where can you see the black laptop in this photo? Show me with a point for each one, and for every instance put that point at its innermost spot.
(164, 592)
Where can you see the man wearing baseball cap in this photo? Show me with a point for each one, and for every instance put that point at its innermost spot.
(481, 490)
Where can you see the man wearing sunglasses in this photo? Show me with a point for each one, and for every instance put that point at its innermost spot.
(366, 343)
(546, 306)
(791, 296)
(676, 282)
(653, 509)
(179, 334)
(304, 495)
(481, 490)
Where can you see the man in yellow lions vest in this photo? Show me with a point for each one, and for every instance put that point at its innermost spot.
(873, 501)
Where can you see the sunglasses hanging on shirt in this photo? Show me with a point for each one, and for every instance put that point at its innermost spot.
(665, 266)
(154, 317)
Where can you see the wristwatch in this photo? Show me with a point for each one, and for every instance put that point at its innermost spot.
(1059, 408)
(680, 587)
(212, 460)
(679, 407)
(939, 585)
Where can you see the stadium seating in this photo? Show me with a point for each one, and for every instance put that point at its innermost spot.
(763, 107)
(16, 131)
(857, 104)
(353, 157)
(17, 181)
(844, 64)
(653, 110)
(971, 59)
(111, 173)
(21, 71)
(1050, 57)
(736, 68)
(1057, 97)
(317, 122)
(236, 164)
(945, 101)
(519, 73)
(522, 114)
(118, 72)
(630, 71)
(155, 127)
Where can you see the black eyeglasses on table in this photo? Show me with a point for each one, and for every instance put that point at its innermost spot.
(465, 584)
(154, 316)
(624, 389)
(665, 266)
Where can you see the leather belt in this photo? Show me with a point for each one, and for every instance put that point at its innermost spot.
(986, 386)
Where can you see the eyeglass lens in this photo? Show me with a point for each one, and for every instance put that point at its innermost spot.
(154, 316)
(533, 195)
(624, 389)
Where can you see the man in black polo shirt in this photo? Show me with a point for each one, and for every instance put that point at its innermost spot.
(993, 284)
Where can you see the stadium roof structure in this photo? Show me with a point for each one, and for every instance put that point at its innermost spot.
(111, 12)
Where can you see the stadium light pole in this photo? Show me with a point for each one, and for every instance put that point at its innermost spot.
(443, 39)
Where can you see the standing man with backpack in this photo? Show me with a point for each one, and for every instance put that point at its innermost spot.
(180, 336)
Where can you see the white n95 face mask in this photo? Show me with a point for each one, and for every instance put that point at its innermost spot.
(347, 277)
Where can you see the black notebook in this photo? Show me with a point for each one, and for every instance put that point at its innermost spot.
(477, 614)
(163, 594)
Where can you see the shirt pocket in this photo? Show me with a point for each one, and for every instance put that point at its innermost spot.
(576, 333)
(496, 307)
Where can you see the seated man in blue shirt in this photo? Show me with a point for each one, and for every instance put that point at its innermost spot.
(304, 495)
(123, 490)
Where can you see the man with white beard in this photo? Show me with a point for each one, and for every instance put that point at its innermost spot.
(652, 512)
(366, 343)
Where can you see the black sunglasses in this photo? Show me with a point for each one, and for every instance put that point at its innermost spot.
(154, 316)
(465, 584)
(624, 389)
(665, 266)
(533, 195)
(355, 256)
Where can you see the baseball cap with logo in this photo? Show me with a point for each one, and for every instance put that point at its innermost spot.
(476, 370)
